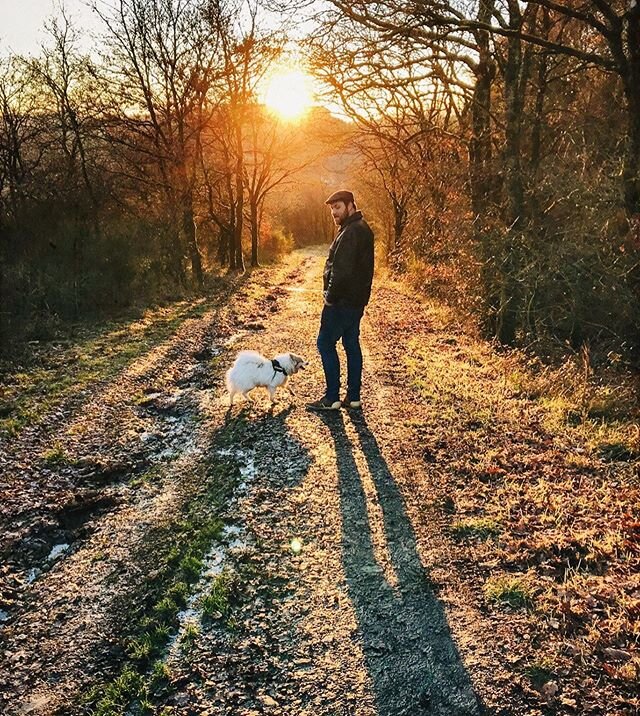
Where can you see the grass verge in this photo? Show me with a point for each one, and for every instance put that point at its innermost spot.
(143, 674)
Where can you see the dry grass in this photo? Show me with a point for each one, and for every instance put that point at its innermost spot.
(549, 457)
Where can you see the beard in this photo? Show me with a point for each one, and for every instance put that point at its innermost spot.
(340, 218)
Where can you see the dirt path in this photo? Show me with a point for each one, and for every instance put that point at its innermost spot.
(262, 562)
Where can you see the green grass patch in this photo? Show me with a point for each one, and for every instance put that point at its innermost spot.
(217, 603)
(476, 528)
(508, 590)
(160, 676)
(179, 593)
(56, 456)
(190, 568)
(129, 686)
(150, 643)
(187, 542)
(189, 637)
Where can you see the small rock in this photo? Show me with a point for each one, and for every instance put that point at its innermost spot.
(617, 654)
(268, 701)
(549, 691)
(181, 699)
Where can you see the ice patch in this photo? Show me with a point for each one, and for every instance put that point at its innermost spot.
(214, 564)
(248, 470)
(231, 531)
(32, 575)
(57, 551)
(232, 535)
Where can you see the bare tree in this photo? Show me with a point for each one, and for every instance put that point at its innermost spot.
(275, 153)
(164, 56)
(65, 75)
(401, 98)
(20, 130)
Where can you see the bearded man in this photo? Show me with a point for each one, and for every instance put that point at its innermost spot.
(348, 274)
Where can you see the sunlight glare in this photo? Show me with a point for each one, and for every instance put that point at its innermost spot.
(289, 94)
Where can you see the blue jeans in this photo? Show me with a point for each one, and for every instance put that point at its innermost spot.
(341, 322)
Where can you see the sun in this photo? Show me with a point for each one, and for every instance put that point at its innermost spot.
(288, 93)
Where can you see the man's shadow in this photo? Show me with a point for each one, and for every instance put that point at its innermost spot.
(412, 660)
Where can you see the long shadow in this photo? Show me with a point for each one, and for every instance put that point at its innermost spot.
(411, 658)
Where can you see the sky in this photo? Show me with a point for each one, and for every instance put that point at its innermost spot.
(21, 23)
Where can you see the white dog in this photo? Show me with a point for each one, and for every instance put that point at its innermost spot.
(251, 370)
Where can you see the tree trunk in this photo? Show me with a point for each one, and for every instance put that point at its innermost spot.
(191, 239)
(399, 223)
(223, 246)
(254, 232)
(174, 246)
(631, 83)
(480, 145)
(232, 245)
(482, 182)
(239, 216)
(514, 210)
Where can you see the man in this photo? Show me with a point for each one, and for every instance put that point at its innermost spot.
(348, 273)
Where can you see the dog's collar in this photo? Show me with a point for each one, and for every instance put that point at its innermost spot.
(277, 368)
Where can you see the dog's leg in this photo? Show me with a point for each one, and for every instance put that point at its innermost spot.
(247, 398)
(272, 395)
(231, 397)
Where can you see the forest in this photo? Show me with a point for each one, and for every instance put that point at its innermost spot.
(494, 145)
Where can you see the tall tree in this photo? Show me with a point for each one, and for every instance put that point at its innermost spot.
(164, 56)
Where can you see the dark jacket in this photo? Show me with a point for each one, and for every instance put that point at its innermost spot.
(348, 272)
